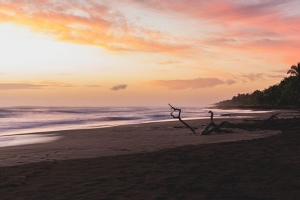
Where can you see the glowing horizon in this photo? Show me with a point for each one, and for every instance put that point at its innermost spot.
(143, 53)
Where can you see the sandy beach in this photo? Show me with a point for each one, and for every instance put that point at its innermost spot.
(120, 140)
(155, 161)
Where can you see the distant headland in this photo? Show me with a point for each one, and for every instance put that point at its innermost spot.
(285, 95)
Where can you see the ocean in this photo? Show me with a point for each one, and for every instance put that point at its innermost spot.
(18, 120)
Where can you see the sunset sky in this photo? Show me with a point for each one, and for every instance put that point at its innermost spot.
(143, 52)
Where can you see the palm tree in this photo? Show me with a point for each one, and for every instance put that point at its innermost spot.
(295, 70)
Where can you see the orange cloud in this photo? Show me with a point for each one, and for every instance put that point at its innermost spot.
(246, 27)
(170, 62)
(94, 86)
(27, 85)
(190, 83)
(88, 22)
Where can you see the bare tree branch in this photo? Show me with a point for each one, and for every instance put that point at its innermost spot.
(178, 117)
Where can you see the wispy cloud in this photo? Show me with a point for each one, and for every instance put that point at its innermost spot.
(28, 85)
(88, 22)
(94, 86)
(244, 26)
(215, 10)
(260, 76)
(119, 87)
(268, 27)
(231, 82)
(278, 76)
(254, 76)
(180, 84)
(281, 71)
(170, 62)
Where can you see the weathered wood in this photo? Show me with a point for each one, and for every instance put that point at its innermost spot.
(179, 117)
(211, 116)
(206, 130)
(213, 127)
(216, 128)
(273, 117)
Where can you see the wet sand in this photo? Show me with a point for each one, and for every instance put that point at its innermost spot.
(163, 161)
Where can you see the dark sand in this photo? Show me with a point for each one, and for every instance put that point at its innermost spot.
(265, 168)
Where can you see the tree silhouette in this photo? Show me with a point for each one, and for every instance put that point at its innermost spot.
(295, 70)
(284, 94)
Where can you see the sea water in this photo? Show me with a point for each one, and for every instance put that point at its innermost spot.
(19, 125)
(17, 120)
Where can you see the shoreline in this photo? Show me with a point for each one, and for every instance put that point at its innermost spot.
(8, 126)
(264, 168)
(120, 140)
(88, 127)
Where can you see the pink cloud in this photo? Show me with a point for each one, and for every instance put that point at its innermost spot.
(260, 76)
(253, 76)
(266, 27)
(180, 84)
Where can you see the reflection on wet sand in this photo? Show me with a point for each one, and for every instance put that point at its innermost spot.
(18, 140)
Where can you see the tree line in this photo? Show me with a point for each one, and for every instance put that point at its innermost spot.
(286, 94)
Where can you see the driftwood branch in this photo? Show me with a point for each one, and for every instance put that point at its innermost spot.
(206, 130)
(213, 127)
(179, 117)
(216, 128)
(268, 123)
(273, 117)
(272, 121)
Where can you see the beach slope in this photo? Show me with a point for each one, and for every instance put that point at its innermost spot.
(163, 161)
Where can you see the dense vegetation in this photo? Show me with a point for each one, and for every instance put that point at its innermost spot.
(285, 94)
